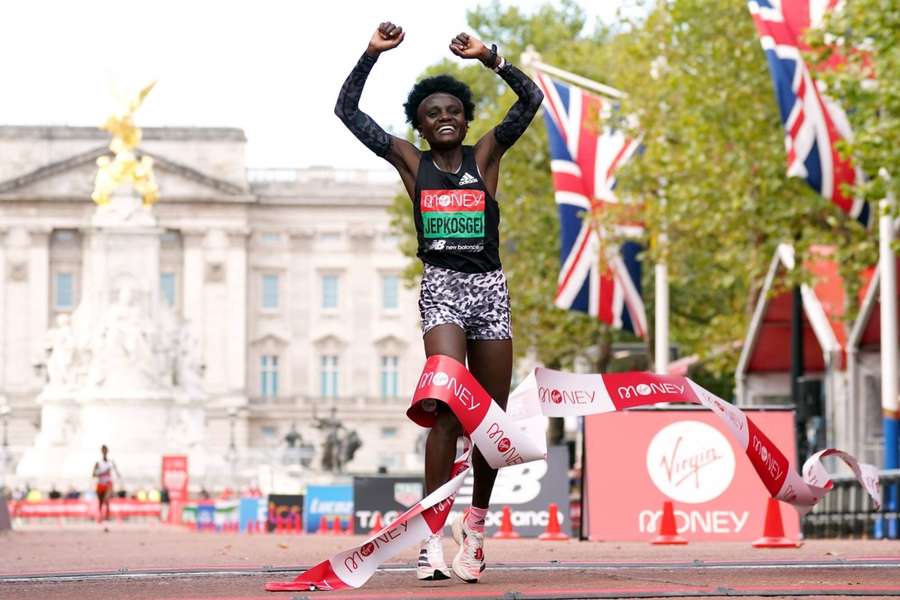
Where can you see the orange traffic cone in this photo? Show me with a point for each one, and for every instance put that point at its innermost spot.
(323, 525)
(336, 526)
(376, 523)
(506, 528)
(773, 530)
(668, 533)
(553, 533)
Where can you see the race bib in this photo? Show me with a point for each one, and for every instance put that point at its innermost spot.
(453, 220)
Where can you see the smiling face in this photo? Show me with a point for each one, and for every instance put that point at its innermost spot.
(442, 120)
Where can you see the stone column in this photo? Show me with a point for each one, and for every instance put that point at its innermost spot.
(235, 317)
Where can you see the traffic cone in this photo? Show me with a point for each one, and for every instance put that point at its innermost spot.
(336, 527)
(350, 526)
(323, 525)
(376, 523)
(668, 533)
(506, 528)
(773, 530)
(552, 534)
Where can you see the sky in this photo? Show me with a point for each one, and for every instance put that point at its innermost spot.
(270, 67)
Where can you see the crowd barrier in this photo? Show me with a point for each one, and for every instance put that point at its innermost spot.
(848, 511)
(119, 508)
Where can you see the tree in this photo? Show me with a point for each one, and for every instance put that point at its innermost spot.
(711, 176)
(867, 34)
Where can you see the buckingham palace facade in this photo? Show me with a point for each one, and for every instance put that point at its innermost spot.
(292, 279)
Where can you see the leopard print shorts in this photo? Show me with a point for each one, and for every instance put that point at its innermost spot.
(477, 302)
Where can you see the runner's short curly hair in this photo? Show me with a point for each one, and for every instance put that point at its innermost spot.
(436, 85)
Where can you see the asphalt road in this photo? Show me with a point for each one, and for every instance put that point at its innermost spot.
(140, 562)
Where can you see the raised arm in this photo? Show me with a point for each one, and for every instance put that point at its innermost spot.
(400, 153)
(491, 147)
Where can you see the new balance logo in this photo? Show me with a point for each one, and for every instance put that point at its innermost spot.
(466, 179)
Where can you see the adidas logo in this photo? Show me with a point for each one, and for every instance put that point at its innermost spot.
(466, 179)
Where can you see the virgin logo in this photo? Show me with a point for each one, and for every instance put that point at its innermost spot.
(504, 444)
(690, 461)
(367, 549)
(555, 396)
(441, 378)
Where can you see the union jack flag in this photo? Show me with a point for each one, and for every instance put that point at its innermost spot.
(813, 123)
(584, 157)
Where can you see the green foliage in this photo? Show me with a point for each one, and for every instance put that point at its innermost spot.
(711, 177)
(866, 33)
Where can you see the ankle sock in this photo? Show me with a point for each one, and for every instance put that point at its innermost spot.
(475, 519)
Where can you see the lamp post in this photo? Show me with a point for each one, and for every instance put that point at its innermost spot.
(4, 450)
(4, 416)
(231, 455)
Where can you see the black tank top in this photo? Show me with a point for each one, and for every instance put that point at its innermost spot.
(457, 221)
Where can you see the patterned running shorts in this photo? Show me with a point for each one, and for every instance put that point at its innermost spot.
(476, 302)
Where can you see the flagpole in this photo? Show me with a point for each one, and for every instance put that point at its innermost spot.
(661, 297)
(887, 268)
(531, 59)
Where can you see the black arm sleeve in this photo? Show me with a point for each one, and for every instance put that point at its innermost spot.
(522, 112)
(359, 123)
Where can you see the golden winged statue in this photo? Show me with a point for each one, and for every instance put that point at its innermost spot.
(123, 166)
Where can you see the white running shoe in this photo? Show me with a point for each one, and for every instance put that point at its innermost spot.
(468, 563)
(431, 565)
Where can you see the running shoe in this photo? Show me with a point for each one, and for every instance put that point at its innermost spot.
(431, 565)
(468, 563)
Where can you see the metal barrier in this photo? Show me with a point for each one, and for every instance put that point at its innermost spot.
(848, 512)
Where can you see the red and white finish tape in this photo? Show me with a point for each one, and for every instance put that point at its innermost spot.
(516, 436)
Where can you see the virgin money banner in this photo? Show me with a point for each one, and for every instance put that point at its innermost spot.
(681, 454)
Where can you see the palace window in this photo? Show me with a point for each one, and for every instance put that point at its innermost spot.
(167, 288)
(268, 375)
(329, 291)
(390, 288)
(270, 292)
(390, 369)
(64, 291)
(329, 376)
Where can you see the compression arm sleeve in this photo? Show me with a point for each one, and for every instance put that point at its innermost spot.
(522, 112)
(359, 123)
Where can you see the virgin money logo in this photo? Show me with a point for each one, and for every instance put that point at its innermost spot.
(440, 378)
(566, 396)
(504, 444)
(690, 462)
(643, 389)
(769, 460)
(367, 549)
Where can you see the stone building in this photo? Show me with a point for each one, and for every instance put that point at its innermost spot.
(290, 280)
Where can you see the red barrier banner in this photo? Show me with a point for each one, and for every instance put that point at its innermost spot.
(119, 508)
(685, 455)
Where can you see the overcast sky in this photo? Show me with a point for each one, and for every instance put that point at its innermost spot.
(272, 68)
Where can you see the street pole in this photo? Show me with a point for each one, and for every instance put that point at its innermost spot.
(887, 267)
(797, 363)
